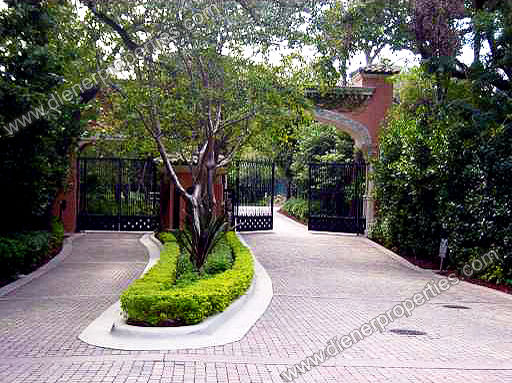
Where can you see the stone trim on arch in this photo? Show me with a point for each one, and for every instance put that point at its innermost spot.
(356, 130)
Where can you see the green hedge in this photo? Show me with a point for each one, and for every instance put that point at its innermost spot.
(22, 253)
(155, 299)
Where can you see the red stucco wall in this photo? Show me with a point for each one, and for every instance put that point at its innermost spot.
(167, 197)
(374, 113)
(69, 195)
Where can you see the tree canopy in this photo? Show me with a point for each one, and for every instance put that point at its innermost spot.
(42, 50)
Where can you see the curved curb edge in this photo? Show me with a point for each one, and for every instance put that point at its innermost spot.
(109, 330)
(67, 248)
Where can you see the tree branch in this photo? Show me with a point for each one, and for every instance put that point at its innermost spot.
(128, 42)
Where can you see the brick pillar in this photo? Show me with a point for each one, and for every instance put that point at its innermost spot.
(173, 206)
(166, 189)
(65, 206)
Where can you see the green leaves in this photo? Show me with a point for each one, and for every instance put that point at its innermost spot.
(198, 242)
(444, 172)
(344, 30)
(155, 299)
(38, 50)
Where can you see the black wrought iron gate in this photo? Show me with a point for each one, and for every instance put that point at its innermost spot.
(118, 194)
(251, 190)
(336, 197)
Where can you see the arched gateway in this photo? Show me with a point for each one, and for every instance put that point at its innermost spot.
(359, 110)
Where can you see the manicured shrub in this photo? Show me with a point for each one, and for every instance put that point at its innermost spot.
(11, 257)
(166, 236)
(155, 299)
(57, 235)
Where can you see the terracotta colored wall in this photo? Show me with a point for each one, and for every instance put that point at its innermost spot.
(185, 178)
(375, 112)
(69, 195)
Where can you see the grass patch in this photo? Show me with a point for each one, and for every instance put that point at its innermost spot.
(173, 293)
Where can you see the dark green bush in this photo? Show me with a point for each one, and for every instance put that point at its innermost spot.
(444, 172)
(12, 254)
(22, 253)
(155, 298)
(297, 208)
(57, 235)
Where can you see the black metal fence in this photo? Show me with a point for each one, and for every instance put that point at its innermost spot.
(336, 197)
(118, 194)
(251, 192)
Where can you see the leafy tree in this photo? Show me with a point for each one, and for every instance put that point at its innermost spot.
(319, 143)
(191, 85)
(279, 135)
(39, 55)
(445, 150)
(443, 172)
(345, 29)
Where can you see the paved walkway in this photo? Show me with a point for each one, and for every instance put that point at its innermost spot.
(325, 285)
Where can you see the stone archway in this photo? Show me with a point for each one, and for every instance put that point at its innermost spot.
(359, 110)
(356, 130)
(362, 141)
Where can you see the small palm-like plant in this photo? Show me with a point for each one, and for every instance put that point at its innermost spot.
(199, 240)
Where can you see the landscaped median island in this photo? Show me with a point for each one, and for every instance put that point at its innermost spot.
(172, 293)
(174, 306)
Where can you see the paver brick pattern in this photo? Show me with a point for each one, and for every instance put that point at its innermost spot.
(324, 285)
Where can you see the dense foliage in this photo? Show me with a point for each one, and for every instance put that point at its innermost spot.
(156, 299)
(345, 29)
(39, 50)
(22, 253)
(297, 208)
(446, 153)
(319, 143)
(298, 144)
(444, 172)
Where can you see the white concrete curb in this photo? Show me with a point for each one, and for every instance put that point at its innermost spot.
(110, 330)
(66, 250)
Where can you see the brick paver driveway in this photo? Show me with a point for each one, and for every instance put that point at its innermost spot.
(324, 285)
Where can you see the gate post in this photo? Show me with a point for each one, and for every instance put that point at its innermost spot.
(65, 206)
(272, 196)
(369, 201)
